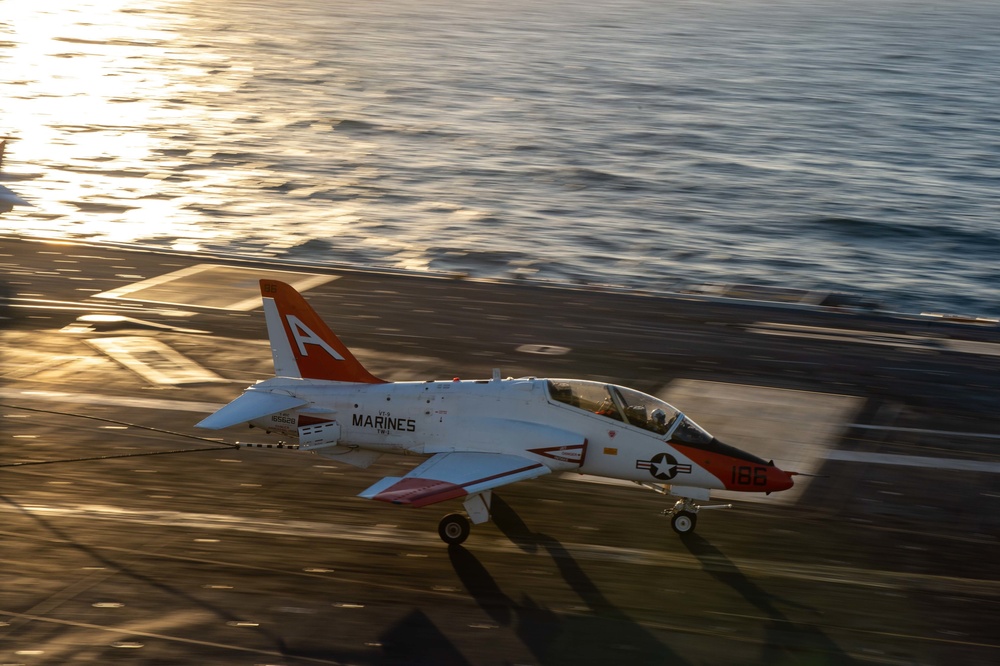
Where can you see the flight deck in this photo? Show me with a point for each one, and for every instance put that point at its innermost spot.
(161, 543)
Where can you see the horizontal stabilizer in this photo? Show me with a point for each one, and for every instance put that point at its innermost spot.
(7, 196)
(249, 406)
(449, 475)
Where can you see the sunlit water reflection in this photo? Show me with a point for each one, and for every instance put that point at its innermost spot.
(640, 143)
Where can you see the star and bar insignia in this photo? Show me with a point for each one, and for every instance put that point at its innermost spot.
(663, 466)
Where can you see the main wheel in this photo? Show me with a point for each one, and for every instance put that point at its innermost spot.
(683, 522)
(454, 529)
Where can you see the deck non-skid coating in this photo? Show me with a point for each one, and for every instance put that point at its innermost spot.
(212, 286)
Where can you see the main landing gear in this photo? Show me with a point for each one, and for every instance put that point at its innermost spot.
(454, 528)
(684, 514)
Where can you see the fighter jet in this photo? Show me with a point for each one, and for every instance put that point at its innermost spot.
(481, 434)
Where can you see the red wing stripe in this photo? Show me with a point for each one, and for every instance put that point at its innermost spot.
(501, 474)
(421, 492)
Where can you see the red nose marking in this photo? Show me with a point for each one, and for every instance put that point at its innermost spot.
(778, 479)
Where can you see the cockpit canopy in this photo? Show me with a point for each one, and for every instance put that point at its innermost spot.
(628, 406)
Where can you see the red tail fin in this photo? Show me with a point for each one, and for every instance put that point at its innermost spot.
(302, 344)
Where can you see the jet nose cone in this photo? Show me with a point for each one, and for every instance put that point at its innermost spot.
(779, 479)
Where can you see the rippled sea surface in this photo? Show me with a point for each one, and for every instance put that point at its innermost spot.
(842, 145)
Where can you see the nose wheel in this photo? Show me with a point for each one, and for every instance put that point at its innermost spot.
(683, 515)
(684, 522)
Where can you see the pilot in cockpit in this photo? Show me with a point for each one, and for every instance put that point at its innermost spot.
(659, 421)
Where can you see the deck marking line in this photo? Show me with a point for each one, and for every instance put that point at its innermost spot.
(954, 464)
(113, 400)
(948, 433)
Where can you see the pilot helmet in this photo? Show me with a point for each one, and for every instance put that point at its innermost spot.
(659, 416)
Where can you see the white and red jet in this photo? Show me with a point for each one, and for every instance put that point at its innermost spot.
(479, 435)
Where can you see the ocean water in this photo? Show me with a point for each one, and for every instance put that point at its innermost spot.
(840, 145)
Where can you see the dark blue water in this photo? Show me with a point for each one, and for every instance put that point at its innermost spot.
(847, 145)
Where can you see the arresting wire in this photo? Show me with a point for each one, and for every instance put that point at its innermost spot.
(116, 422)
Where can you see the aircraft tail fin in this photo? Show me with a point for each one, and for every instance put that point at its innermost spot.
(302, 344)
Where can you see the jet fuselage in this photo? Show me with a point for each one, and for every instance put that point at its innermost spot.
(516, 416)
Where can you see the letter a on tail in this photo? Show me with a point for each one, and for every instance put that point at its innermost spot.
(302, 344)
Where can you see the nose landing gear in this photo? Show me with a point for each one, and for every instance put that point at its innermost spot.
(684, 514)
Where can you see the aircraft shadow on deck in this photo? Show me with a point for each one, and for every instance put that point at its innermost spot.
(604, 635)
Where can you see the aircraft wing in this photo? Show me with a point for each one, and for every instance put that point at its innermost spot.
(446, 476)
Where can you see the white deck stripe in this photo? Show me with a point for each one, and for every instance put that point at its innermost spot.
(200, 281)
(30, 397)
(949, 433)
(154, 361)
(955, 464)
(875, 338)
